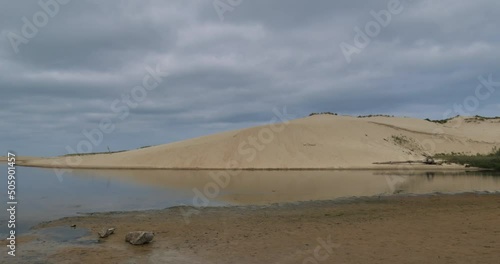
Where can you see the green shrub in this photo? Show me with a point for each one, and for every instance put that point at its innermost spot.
(323, 113)
(488, 161)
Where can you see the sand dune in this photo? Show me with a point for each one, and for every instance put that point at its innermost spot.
(316, 142)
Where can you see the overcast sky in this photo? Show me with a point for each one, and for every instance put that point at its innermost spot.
(226, 64)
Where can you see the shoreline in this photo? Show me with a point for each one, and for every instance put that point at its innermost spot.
(343, 201)
(363, 230)
(403, 167)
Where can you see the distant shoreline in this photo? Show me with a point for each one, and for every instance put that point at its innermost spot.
(419, 167)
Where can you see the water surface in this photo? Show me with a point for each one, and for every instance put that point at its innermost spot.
(42, 196)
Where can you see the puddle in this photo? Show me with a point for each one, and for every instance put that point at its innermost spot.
(66, 235)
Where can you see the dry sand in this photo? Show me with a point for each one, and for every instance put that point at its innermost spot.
(425, 229)
(317, 142)
(20, 159)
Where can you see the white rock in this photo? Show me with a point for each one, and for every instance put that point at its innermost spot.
(106, 232)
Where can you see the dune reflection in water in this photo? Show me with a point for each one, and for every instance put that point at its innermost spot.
(264, 187)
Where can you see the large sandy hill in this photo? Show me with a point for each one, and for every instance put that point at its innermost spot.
(316, 142)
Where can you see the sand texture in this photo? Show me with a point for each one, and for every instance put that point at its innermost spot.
(429, 229)
(316, 142)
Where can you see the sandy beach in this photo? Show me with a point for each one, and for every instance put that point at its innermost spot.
(315, 142)
(423, 229)
(250, 132)
(329, 229)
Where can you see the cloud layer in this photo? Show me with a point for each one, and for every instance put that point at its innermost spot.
(230, 73)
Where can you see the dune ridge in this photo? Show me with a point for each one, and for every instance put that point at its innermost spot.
(315, 142)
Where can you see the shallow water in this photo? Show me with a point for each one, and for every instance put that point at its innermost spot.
(66, 234)
(42, 196)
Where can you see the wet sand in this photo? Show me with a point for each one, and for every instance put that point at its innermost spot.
(423, 229)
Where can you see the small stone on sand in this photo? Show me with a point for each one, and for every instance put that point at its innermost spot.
(139, 237)
(106, 232)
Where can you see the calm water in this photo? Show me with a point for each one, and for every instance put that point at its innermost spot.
(42, 196)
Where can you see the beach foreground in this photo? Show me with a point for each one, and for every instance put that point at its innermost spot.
(423, 229)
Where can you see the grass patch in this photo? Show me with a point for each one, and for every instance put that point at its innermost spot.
(100, 153)
(489, 161)
(476, 118)
(443, 121)
(378, 115)
(92, 153)
(486, 117)
(400, 140)
(323, 113)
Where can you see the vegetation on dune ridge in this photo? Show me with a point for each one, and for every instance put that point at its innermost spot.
(488, 161)
(360, 116)
(100, 153)
(442, 121)
(92, 153)
(474, 118)
(377, 115)
(323, 113)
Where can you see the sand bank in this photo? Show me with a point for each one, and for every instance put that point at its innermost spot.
(428, 229)
(316, 142)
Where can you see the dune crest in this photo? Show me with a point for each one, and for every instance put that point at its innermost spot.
(315, 142)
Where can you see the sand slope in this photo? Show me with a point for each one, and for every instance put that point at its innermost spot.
(317, 142)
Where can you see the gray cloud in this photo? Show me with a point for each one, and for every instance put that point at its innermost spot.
(231, 74)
